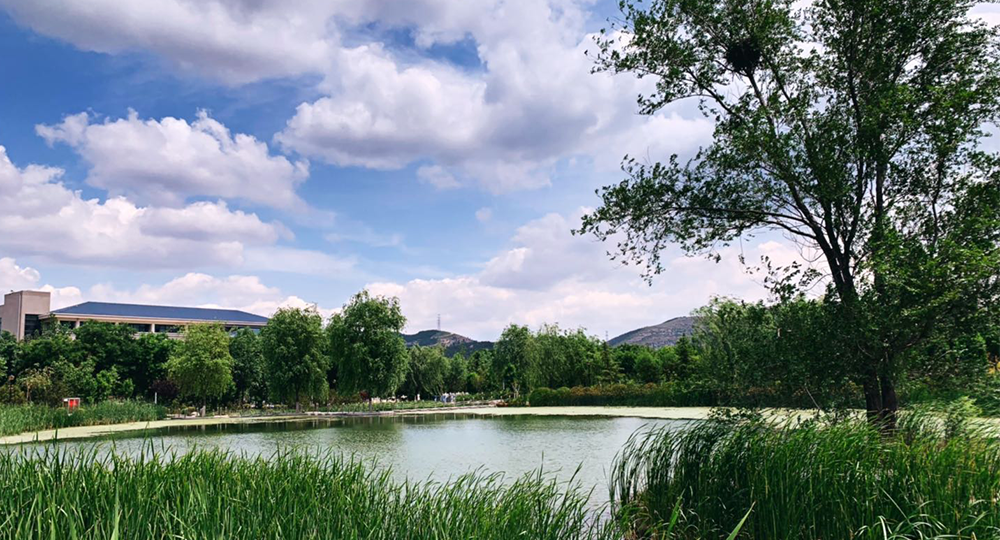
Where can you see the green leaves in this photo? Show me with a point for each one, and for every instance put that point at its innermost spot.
(293, 346)
(201, 365)
(852, 128)
(366, 347)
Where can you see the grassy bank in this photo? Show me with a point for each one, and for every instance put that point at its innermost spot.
(291, 495)
(16, 419)
(816, 481)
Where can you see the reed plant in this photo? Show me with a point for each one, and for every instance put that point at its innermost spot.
(56, 494)
(843, 480)
(16, 419)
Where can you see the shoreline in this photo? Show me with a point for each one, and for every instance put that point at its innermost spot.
(88, 432)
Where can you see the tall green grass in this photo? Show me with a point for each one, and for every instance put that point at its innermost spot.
(816, 481)
(16, 419)
(290, 495)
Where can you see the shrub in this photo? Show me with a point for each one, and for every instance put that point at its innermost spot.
(671, 394)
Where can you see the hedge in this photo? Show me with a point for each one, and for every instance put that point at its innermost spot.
(671, 394)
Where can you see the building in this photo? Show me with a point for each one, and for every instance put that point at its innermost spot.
(24, 313)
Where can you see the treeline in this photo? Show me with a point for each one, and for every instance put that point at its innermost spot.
(800, 352)
(299, 358)
(788, 354)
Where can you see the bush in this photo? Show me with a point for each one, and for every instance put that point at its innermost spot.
(671, 394)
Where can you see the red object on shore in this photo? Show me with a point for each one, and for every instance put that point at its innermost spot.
(71, 403)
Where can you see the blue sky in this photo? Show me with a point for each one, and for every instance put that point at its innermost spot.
(257, 154)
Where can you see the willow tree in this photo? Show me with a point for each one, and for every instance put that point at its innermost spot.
(366, 346)
(852, 127)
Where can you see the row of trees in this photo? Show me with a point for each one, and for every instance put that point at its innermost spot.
(741, 354)
(293, 359)
(791, 353)
(297, 359)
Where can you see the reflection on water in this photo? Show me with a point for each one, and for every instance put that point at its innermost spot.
(418, 448)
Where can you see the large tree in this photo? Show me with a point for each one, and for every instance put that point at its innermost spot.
(294, 359)
(853, 128)
(366, 345)
(426, 372)
(248, 366)
(516, 359)
(201, 365)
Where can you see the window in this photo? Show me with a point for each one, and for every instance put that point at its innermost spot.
(66, 324)
(167, 329)
(32, 326)
(139, 327)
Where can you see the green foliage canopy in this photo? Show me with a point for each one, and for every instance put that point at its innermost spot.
(201, 365)
(294, 359)
(853, 128)
(366, 346)
(248, 366)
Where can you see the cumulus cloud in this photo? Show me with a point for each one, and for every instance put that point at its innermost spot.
(548, 276)
(16, 278)
(505, 123)
(40, 216)
(168, 161)
(534, 103)
(236, 41)
(437, 176)
(243, 292)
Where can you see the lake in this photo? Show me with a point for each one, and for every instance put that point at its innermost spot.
(418, 448)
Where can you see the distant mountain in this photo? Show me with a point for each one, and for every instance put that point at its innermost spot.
(660, 335)
(451, 342)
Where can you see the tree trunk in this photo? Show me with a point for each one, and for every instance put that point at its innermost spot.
(881, 402)
(890, 405)
(873, 398)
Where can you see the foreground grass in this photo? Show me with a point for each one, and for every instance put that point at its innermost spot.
(814, 481)
(16, 419)
(289, 495)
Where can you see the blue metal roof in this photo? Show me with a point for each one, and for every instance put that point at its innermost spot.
(108, 309)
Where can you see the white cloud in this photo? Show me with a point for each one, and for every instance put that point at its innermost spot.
(533, 103)
(193, 289)
(168, 161)
(41, 216)
(16, 278)
(19, 278)
(506, 124)
(298, 261)
(235, 41)
(243, 292)
(437, 176)
(484, 214)
(549, 276)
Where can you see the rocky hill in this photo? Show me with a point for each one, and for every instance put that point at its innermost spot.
(451, 342)
(660, 335)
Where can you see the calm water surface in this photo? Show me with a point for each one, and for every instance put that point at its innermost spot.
(420, 448)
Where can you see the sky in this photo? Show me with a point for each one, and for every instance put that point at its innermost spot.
(256, 154)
